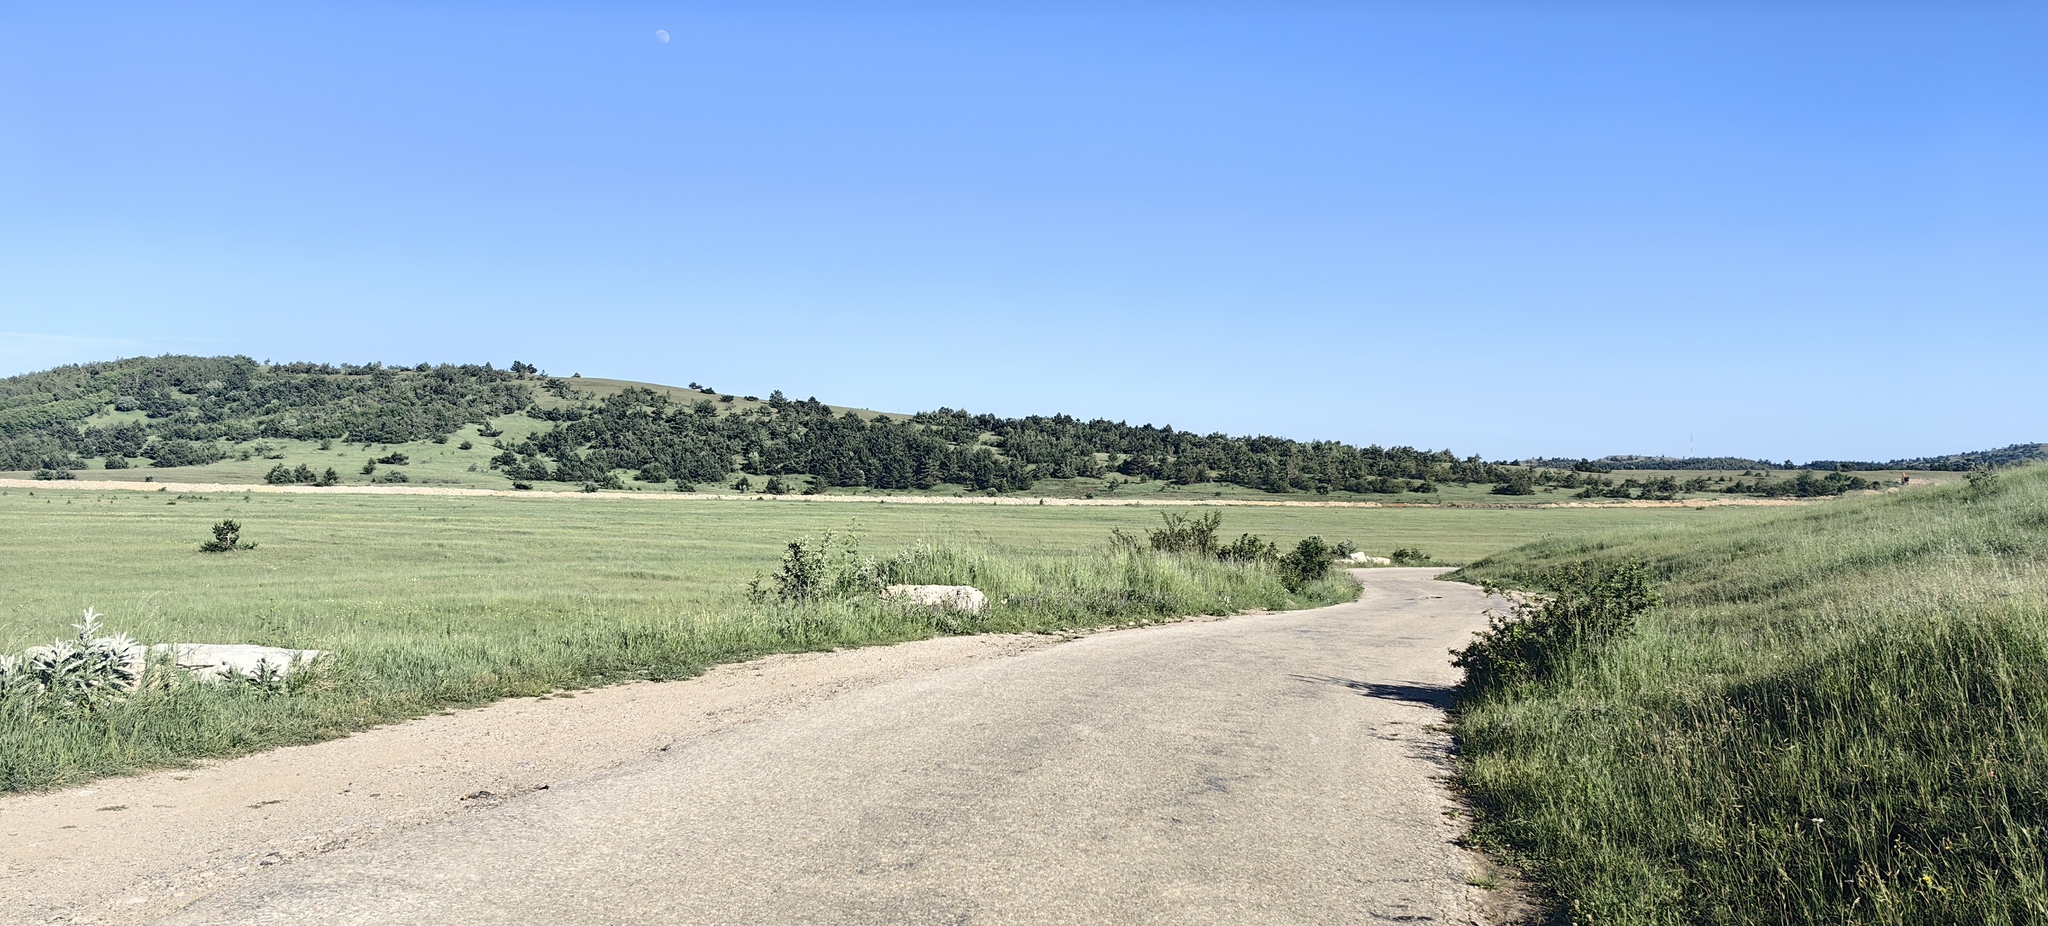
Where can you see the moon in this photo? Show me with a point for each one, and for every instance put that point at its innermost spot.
(661, 34)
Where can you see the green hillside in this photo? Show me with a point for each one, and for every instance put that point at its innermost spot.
(234, 420)
(238, 420)
(1840, 715)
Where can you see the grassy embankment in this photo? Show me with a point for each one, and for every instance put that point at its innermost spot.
(1839, 716)
(442, 601)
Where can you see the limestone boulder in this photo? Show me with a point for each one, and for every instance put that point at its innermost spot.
(963, 598)
(213, 662)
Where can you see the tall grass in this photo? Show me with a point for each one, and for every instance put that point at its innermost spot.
(1840, 716)
(388, 672)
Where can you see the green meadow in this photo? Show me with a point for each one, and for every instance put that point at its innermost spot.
(1837, 716)
(438, 601)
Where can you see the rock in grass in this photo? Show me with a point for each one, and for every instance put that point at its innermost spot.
(213, 661)
(1363, 560)
(963, 598)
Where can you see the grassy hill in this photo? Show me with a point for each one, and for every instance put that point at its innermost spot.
(1840, 715)
(233, 420)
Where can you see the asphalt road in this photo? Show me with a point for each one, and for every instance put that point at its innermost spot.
(1278, 768)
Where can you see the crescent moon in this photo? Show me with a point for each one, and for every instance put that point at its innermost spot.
(661, 34)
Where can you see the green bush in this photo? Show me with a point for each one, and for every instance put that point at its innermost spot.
(227, 536)
(1182, 534)
(1581, 606)
(1410, 556)
(1248, 548)
(1309, 562)
(115, 461)
(300, 475)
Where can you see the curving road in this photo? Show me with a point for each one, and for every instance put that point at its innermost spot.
(1277, 768)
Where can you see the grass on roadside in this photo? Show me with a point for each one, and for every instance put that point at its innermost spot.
(382, 674)
(1839, 716)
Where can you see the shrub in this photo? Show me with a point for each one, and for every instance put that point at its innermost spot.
(1410, 556)
(83, 673)
(369, 467)
(1581, 606)
(329, 478)
(518, 486)
(116, 461)
(652, 472)
(1248, 548)
(743, 484)
(169, 453)
(392, 477)
(817, 568)
(465, 445)
(775, 486)
(54, 474)
(1182, 534)
(227, 535)
(394, 458)
(1309, 562)
(1518, 482)
(300, 475)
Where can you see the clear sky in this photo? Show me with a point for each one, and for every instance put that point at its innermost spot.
(1764, 229)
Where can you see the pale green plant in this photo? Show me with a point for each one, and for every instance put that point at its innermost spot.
(85, 672)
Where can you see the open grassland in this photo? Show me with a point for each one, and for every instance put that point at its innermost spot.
(439, 601)
(1839, 716)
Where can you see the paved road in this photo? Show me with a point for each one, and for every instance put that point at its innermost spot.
(1266, 769)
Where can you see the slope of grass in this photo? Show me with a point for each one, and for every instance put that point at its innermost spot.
(1839, 716)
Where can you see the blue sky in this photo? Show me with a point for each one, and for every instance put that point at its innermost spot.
(1780, 230)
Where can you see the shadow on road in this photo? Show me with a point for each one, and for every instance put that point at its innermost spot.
(1436, 696)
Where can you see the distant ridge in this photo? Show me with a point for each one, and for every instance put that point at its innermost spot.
(2012, 455)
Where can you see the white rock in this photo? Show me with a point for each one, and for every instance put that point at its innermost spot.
(213, 661)
(965, 598)
(1364, 560)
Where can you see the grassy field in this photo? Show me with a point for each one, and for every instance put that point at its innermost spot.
(437, 601)
(1839, 716)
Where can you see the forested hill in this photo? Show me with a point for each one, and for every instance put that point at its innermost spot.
(177, 411)
(2013, 455)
